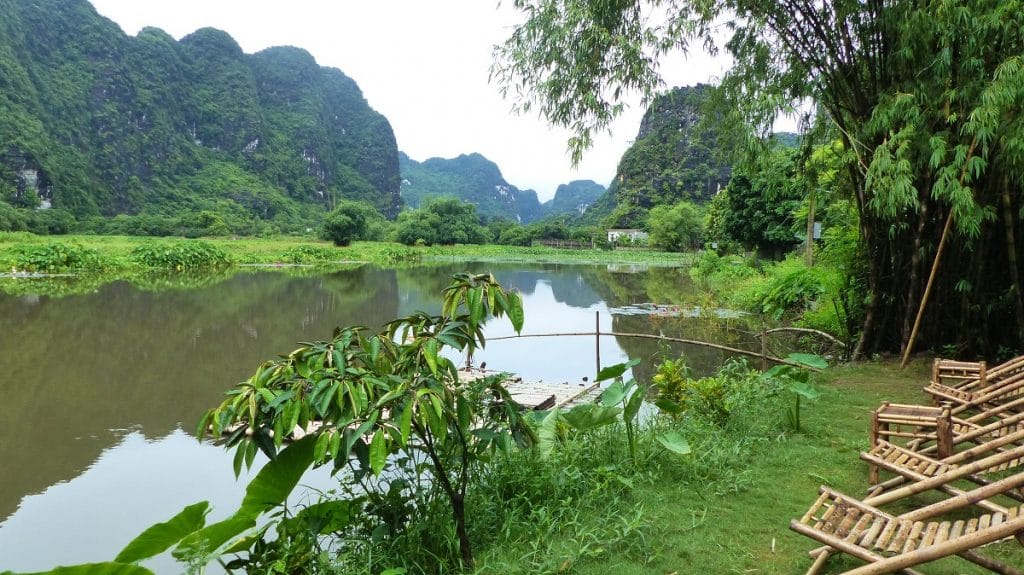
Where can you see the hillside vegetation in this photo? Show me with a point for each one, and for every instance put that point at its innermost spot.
(98, 123)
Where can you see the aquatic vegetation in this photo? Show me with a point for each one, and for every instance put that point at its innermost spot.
(180, 255)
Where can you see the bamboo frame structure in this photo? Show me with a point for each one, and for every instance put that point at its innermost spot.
(862, 530)
(997, 397)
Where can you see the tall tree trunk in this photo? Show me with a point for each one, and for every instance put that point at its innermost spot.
(915, 266)
(459, 510)
(1011, 257)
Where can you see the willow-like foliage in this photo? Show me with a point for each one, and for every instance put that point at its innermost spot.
(926, 97)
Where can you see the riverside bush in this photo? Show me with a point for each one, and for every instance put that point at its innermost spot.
(57, 257)
(306, 254)
(183, 255)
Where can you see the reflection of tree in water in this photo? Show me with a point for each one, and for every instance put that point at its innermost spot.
(121, 358)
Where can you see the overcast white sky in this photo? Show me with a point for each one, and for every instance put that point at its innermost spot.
(424, 65)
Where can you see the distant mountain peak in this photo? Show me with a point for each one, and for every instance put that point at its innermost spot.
(472, 178)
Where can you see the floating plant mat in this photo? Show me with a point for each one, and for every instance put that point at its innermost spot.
(33, 275)
(671, 310)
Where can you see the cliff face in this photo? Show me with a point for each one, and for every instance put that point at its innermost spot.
(101, 123)
(471, 178)
(670, 160)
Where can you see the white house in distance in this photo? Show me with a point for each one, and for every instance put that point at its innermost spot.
(632, 234)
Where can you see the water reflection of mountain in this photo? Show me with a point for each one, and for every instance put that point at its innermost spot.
(120, 358)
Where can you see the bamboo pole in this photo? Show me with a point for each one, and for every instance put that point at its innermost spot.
(927, 289)
(935, 264)
(597, 342)
(662, 338)
(816, 332)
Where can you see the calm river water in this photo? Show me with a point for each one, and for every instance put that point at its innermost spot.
(101, 391)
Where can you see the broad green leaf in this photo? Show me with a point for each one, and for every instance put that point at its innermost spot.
(107, 568)
(515, 311)
(463, 411)
(614, 394)
(405, 423)
(160, 537)
(808, 360)
(475, 303)
(804, 390)
(207, 541)
(547, 433)
(591, 416)
(636, 400)
(613, 371)
(430, 354)
(378, 452)
(674, 442)
(278, 477)
(323, 442)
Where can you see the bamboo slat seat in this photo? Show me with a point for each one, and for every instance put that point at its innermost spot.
(891, 543)
(998, 398)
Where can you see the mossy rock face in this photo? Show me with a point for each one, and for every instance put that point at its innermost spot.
(100, 123)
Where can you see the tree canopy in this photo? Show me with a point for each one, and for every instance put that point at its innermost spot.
(925, 96)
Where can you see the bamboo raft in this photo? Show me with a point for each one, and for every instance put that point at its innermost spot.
(539, 394)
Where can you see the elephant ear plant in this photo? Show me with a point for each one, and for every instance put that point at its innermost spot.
(796, 377)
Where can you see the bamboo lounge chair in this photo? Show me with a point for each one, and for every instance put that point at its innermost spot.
(939, 437)
(995, 399)
(925, 473)
(863, 531)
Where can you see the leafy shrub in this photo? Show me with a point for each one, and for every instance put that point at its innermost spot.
(189, 254)
(50, 222)
(715, 269)
(345, 224)
(306, 254)
(786, 287)
(711, 399)
(12, 219)
(57, 257)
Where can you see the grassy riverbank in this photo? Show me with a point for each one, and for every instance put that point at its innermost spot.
(120, 252)
(736, 519)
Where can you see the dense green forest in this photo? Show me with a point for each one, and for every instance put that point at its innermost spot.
(175, 136)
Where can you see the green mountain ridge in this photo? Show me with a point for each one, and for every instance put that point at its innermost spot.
(471, 178)
(574, 198)
(101, 123)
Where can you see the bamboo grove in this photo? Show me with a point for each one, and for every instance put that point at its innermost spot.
(925, 96)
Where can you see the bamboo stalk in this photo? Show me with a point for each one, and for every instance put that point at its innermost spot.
(927, 290)
(661, 338)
